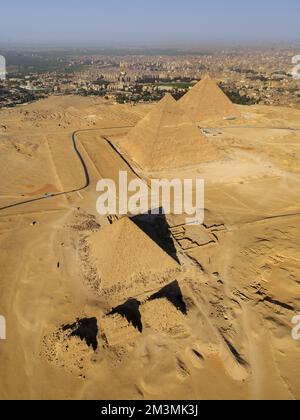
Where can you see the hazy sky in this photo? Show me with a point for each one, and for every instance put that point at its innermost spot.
(146, 22)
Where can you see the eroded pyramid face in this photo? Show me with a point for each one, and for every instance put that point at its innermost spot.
(130, 258)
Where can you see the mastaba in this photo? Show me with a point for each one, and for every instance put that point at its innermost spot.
(206, 100)
(167, 139)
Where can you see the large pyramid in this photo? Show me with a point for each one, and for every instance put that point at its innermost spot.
(207, 101)
(126, 258)
(166, 139)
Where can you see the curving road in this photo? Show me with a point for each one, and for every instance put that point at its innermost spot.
(85, 169)
(83, 164)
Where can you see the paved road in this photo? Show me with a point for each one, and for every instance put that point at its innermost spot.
(250, 127)
(83, 164)
(85, 169)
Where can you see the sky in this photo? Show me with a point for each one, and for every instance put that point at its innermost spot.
(152, 22)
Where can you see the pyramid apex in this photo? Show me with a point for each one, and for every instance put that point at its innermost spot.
(168, 95)
(167, 99)
(205, 78)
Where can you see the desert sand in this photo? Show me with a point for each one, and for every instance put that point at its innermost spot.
(148, 308)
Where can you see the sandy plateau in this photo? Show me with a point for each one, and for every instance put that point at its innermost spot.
(120, 308)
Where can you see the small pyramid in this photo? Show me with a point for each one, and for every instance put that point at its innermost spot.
(207, 101)
(166, 139)
(124, 256)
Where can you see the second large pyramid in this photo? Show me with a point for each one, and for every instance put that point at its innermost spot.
(167, 139)
(206, 101)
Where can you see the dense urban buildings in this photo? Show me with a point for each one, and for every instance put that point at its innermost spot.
(248, 75)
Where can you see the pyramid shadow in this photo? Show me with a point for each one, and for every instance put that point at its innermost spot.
(86, 329)
(130, 310)
(173, 294)
(157, 228)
